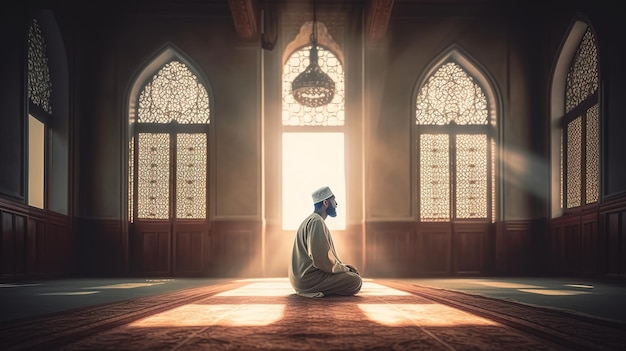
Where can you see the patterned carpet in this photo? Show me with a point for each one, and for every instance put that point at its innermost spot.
(264, 314)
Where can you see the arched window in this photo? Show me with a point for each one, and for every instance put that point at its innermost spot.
(312, 138)
(168, 148)
(576, 127)
(454, 119)
(40, 115)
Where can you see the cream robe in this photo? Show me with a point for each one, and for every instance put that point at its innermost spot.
(315, 266)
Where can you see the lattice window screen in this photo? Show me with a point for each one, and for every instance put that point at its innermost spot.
(39, 82)
(171, 172)
(295, 114)
(580, 165)
(455, 168)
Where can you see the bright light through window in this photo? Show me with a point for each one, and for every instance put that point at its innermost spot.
(310, 161)
(36, 150)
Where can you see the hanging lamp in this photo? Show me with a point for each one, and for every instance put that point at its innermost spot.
(313, 87)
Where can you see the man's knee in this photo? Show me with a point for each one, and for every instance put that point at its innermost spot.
(355, 284)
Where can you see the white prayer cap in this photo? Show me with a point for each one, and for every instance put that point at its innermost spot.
(321, 194)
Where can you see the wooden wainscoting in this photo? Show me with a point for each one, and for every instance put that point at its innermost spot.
(435, 248)
(101, 247)
(514, 248)
(612, 240)
(151, 249)
(50, 242)
(470, 248)
(192, 247)
(589, 244)
(13, 243)
(236, 248)
(390, 249)
(574, 244)
(35, 242)
(565, 246)
(166, 249)
(410, 249)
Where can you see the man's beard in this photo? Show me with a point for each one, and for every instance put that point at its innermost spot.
(331, 211)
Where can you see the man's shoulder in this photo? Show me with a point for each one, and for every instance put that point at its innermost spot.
(312, 218)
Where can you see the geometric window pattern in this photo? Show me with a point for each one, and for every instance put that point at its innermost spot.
(168, 148)
(191, 163)
(295, 114)
(435, 177)
(580, 184)
(153, 175)
(174, 94)
(451, 95)
(39, 83)
(455, 151)
(471, 184)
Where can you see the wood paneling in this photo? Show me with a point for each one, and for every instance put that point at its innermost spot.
(589, 244)
(34, 242)
(590, 241)
(407, 249)
(102, 247)
(237, 248)
(191, 249)
(152, 245)
(9, 245)
(470, 248)
(435, 248)
(565, 246)
(390, 250)
(515, 253)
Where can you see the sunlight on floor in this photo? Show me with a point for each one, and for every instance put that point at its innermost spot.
(555, 292)
(269, 288)
(221, 314)
(583, 286)
(252, 314)
(374, 289)
(69, 293)
(125, 285)
(506, 285)
(536, 289)
(432, 315)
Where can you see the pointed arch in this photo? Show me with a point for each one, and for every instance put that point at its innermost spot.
(47, 89)
(169, 112)
(455, 104)
(167, 54)
(575, 120)
(456, 54)
(305, 128)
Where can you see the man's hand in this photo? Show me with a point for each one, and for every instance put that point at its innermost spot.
(352, 269)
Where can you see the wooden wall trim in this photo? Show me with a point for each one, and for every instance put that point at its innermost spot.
(35, 242)
(14, 207)
(613, 204)
(377, 19)
(245, 14)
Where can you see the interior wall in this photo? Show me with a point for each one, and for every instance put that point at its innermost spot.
(106, 48)
(393, 71)
(112, 47)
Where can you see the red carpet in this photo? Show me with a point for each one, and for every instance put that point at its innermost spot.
(264, 314)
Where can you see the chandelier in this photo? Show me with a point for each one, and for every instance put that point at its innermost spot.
(313, 87)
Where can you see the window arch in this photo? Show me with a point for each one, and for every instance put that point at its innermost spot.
(312, 138)
(455, 123)
(168, 141)
(575, 140)
(39, 112)
(47, 114)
